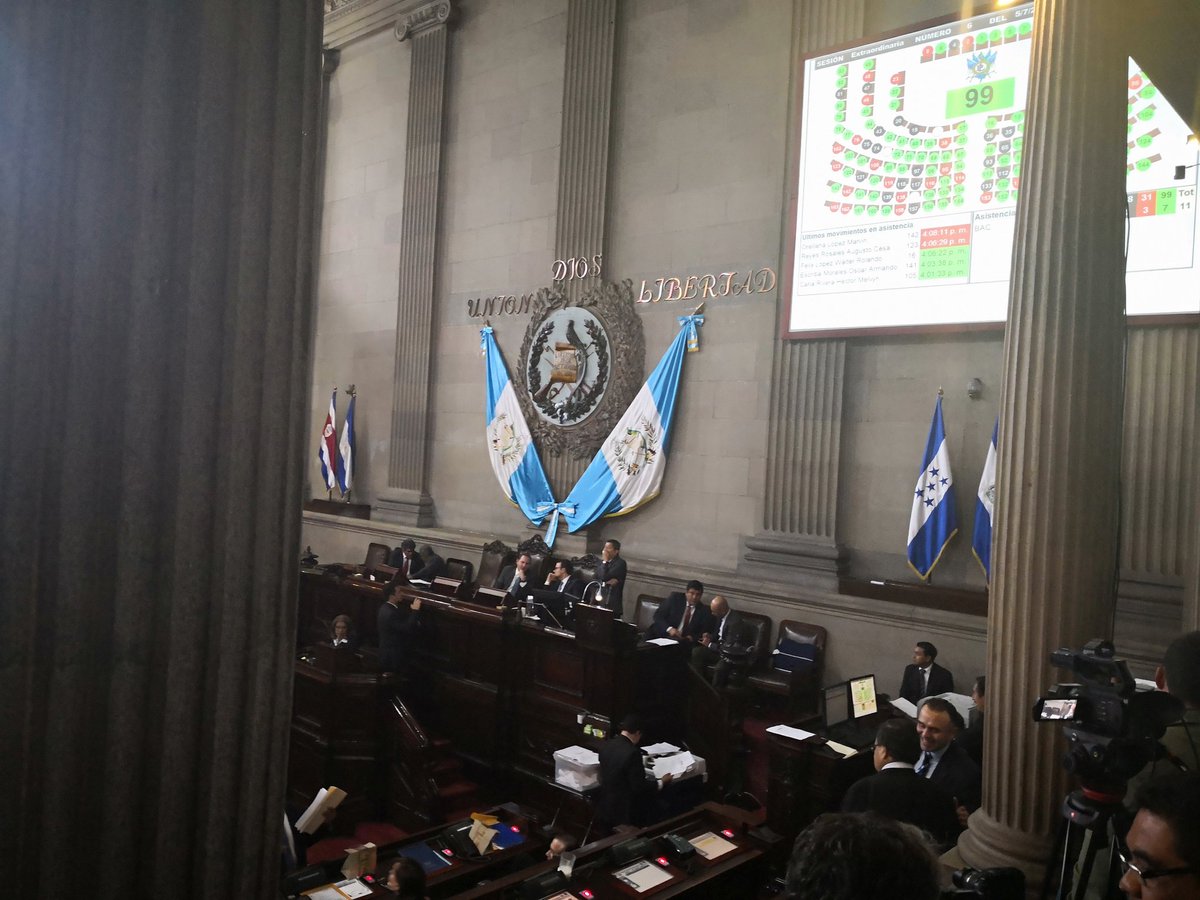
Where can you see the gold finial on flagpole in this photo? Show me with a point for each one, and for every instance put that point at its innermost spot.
(941, 393)
(699, 309)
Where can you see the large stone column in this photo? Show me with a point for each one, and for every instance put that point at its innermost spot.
(799, 524)
(583, 165)
(406, 499)
(1055, 545)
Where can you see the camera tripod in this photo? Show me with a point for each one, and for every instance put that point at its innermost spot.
(1088, 827)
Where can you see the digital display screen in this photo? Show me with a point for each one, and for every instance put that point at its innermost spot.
(910, 155)
(836, 705)
(1059, 709)
(862, 696)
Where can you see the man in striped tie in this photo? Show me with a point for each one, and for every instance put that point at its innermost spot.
(682, 616)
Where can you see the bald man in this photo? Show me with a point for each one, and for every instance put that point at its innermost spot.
(724, 630)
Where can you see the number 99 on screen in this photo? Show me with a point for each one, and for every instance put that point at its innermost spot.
(979, 98)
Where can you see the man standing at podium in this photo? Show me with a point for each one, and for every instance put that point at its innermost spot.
(397, 623)
(611, 574)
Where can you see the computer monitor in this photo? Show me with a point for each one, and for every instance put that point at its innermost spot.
(862, 696)
(550, 607)
(836, 700)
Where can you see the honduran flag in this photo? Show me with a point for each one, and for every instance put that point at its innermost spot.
(628, 469)
(345, 463)
(981, 541)
(934, 519)
(327, 450)
(514, 459)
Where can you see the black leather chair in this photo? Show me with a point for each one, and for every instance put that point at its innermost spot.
(750, 651)
(495, 557)
(647, 606)
(460, 570)
(377, 555)
(793, 673)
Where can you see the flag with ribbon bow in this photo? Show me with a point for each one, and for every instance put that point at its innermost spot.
(934, 518)
(514, 459)
(628, 469)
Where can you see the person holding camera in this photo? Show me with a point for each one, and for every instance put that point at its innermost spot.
(1179, 676)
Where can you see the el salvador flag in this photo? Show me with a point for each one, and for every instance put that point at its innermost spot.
(934, 519)
(345, 463)
(628, 469)
(327, 451)
(981, 541)
(514, 459)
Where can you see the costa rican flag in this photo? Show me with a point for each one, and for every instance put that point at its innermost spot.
(934, 518)
(345, 463)
(628, 470)
(327, 449)
(514, 459)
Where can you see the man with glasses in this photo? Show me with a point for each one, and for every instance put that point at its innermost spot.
(1162, 859)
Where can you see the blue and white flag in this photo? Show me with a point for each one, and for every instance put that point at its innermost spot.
(345, 463)
(514, 459)
(981, 541)
(934, 519)
(327, 451)
(628, 469)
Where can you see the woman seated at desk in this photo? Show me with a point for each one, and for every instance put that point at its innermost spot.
(341, 632)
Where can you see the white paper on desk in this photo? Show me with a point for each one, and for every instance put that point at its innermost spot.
(676, 765)
(1145, 684)
(663, 642)
(905, 706)
(840, 748)
(420, 581)
(710, 845)
(660, 749)
(580, 755)
(329, 892)
(642, 875)
(481, 836)
(353, 888)
(961, 702)
(787, 731)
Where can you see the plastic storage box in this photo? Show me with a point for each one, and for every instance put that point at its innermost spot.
(577, 768)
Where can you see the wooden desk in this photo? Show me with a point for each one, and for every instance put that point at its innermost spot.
(505, 691)
(805, 779)
(738, 873)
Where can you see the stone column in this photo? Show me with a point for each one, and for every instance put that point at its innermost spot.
(1058, 469)
(406, 499)
(799, 524)
(583, 164)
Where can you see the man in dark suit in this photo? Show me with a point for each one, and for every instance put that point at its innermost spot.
(724, 631)
(972, 737)
(611, 574)
(404, 557)
(516, 578)
(626, 789)
(897, 792)
(398, 623)
(942, 760)
(428, 565)
(925, 678)
(682, 616)
(564, 580)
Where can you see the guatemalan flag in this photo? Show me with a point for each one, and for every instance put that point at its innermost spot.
(981, 541)
(514, 459)
(345, 463)
(327, 451)
(934, 519)
(628, 469)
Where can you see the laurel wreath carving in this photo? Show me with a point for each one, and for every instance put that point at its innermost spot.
(620, 372)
